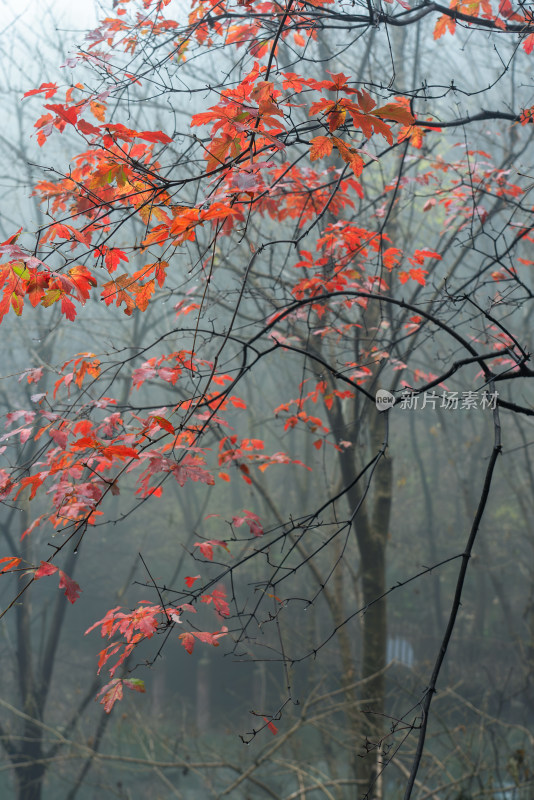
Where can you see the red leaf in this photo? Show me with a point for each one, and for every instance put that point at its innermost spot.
(188, 641)
(206, 548)
(419, 275)
(110, 694)
(87, 128)
(250, 519)
(48, 88)
(505, 8)
(237, 402)
(189, 580)
(113, 258)
(72, 589)
(272, 727)
(69, 115)
(190, 469)
(164, 424)
(68, 308)
(218, 598)
(44, 569)
(154, 136)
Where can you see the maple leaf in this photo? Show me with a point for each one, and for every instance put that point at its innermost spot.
(72, 589)
(415, 134)
(250, 519)
(417, 275)
(237, 402)
(444, 24)
(44, 569)
(391, 257)
(155, 136)
(49, 89)
(218, 598)
(321, 146)
(98, 110)
(189, 579)
(67, 114)
(113, 256)
(87, 129)
(164, 424)
(350, 156)
(68, 308)
(217, 211)
(206, 548)
(110, 694)
(396, 112)
(420, 255)
(9, 562)
(188, 639)
(190, 468)
(158, 235)
(220, 146)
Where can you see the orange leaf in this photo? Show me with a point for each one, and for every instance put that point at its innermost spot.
(98, 110)
(396, 112)
(12, 563)
(443, 25)
(321, 146)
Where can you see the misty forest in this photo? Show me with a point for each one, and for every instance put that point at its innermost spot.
(267, 435)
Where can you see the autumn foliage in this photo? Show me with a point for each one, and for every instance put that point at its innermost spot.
(279, 151)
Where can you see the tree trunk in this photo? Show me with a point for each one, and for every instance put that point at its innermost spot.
(203, 695)
(29, 769)
(372, 533)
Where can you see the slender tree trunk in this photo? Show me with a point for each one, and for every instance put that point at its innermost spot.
(29, 772)
(372, 533)
(203, 695)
